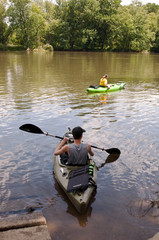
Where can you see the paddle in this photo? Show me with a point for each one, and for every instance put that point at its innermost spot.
(34, 129)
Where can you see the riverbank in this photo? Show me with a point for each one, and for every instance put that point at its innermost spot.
(23, 227)
(13, 48)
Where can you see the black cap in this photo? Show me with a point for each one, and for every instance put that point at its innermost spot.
(77, 132)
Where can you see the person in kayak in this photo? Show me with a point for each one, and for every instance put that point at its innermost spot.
(77, 151)
(104, 81)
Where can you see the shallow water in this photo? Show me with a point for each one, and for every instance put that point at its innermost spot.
(49, 90)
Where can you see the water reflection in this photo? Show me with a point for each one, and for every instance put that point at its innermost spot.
(102, 97)
(82, 217)
(144, 207)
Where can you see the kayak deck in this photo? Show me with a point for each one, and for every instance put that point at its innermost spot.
(110, 88)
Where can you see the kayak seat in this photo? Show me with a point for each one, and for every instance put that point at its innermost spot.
(64, 158)
(93, 86)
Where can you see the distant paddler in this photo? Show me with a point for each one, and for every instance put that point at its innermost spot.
(104, 81)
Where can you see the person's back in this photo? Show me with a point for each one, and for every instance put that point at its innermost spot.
(78, 154)
(104, 81)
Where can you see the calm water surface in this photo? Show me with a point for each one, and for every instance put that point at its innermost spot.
(49, 90)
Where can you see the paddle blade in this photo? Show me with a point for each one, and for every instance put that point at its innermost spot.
(31, 128)
(112, 157)
(113, 151)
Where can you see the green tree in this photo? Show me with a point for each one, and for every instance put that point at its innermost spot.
(49, 9)
(152, 7)
(104, 22)
(3, 25)
(81, 24)
(155, 46)
(153, 18)
(134, 29)
(144, 35)
(123, 30)
(73, 24)
(27, 22)
(18, 14)
(88, 19)
(57, 34)
(36, 26)
(74, 19)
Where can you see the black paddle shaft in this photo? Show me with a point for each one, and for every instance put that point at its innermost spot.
(110, 150)
(34, 129)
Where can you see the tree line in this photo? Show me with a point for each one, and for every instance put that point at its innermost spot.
(90, 25)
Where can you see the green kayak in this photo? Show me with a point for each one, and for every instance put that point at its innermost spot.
(110, 88)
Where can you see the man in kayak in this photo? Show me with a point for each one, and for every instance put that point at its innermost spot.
(104, 81)
(78, 151)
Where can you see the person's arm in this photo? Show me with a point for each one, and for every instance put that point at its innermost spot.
(61, 148)
(90, 151)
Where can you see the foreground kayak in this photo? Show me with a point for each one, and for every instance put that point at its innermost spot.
(110, 88)
(80, 199)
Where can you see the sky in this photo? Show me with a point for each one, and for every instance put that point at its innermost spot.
(127, 2)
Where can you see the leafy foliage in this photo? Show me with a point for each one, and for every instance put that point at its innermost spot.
(80, 25)
(3, 25)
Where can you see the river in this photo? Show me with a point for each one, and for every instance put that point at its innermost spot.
(49, 90)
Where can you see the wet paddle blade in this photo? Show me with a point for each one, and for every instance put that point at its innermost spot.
(31, 128)
(112, 157)
(113, 151)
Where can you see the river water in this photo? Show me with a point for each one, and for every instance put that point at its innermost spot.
(49, 90)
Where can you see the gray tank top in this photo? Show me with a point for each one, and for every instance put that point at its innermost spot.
(78, 154)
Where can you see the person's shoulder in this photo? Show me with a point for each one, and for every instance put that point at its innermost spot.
(66, 146)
